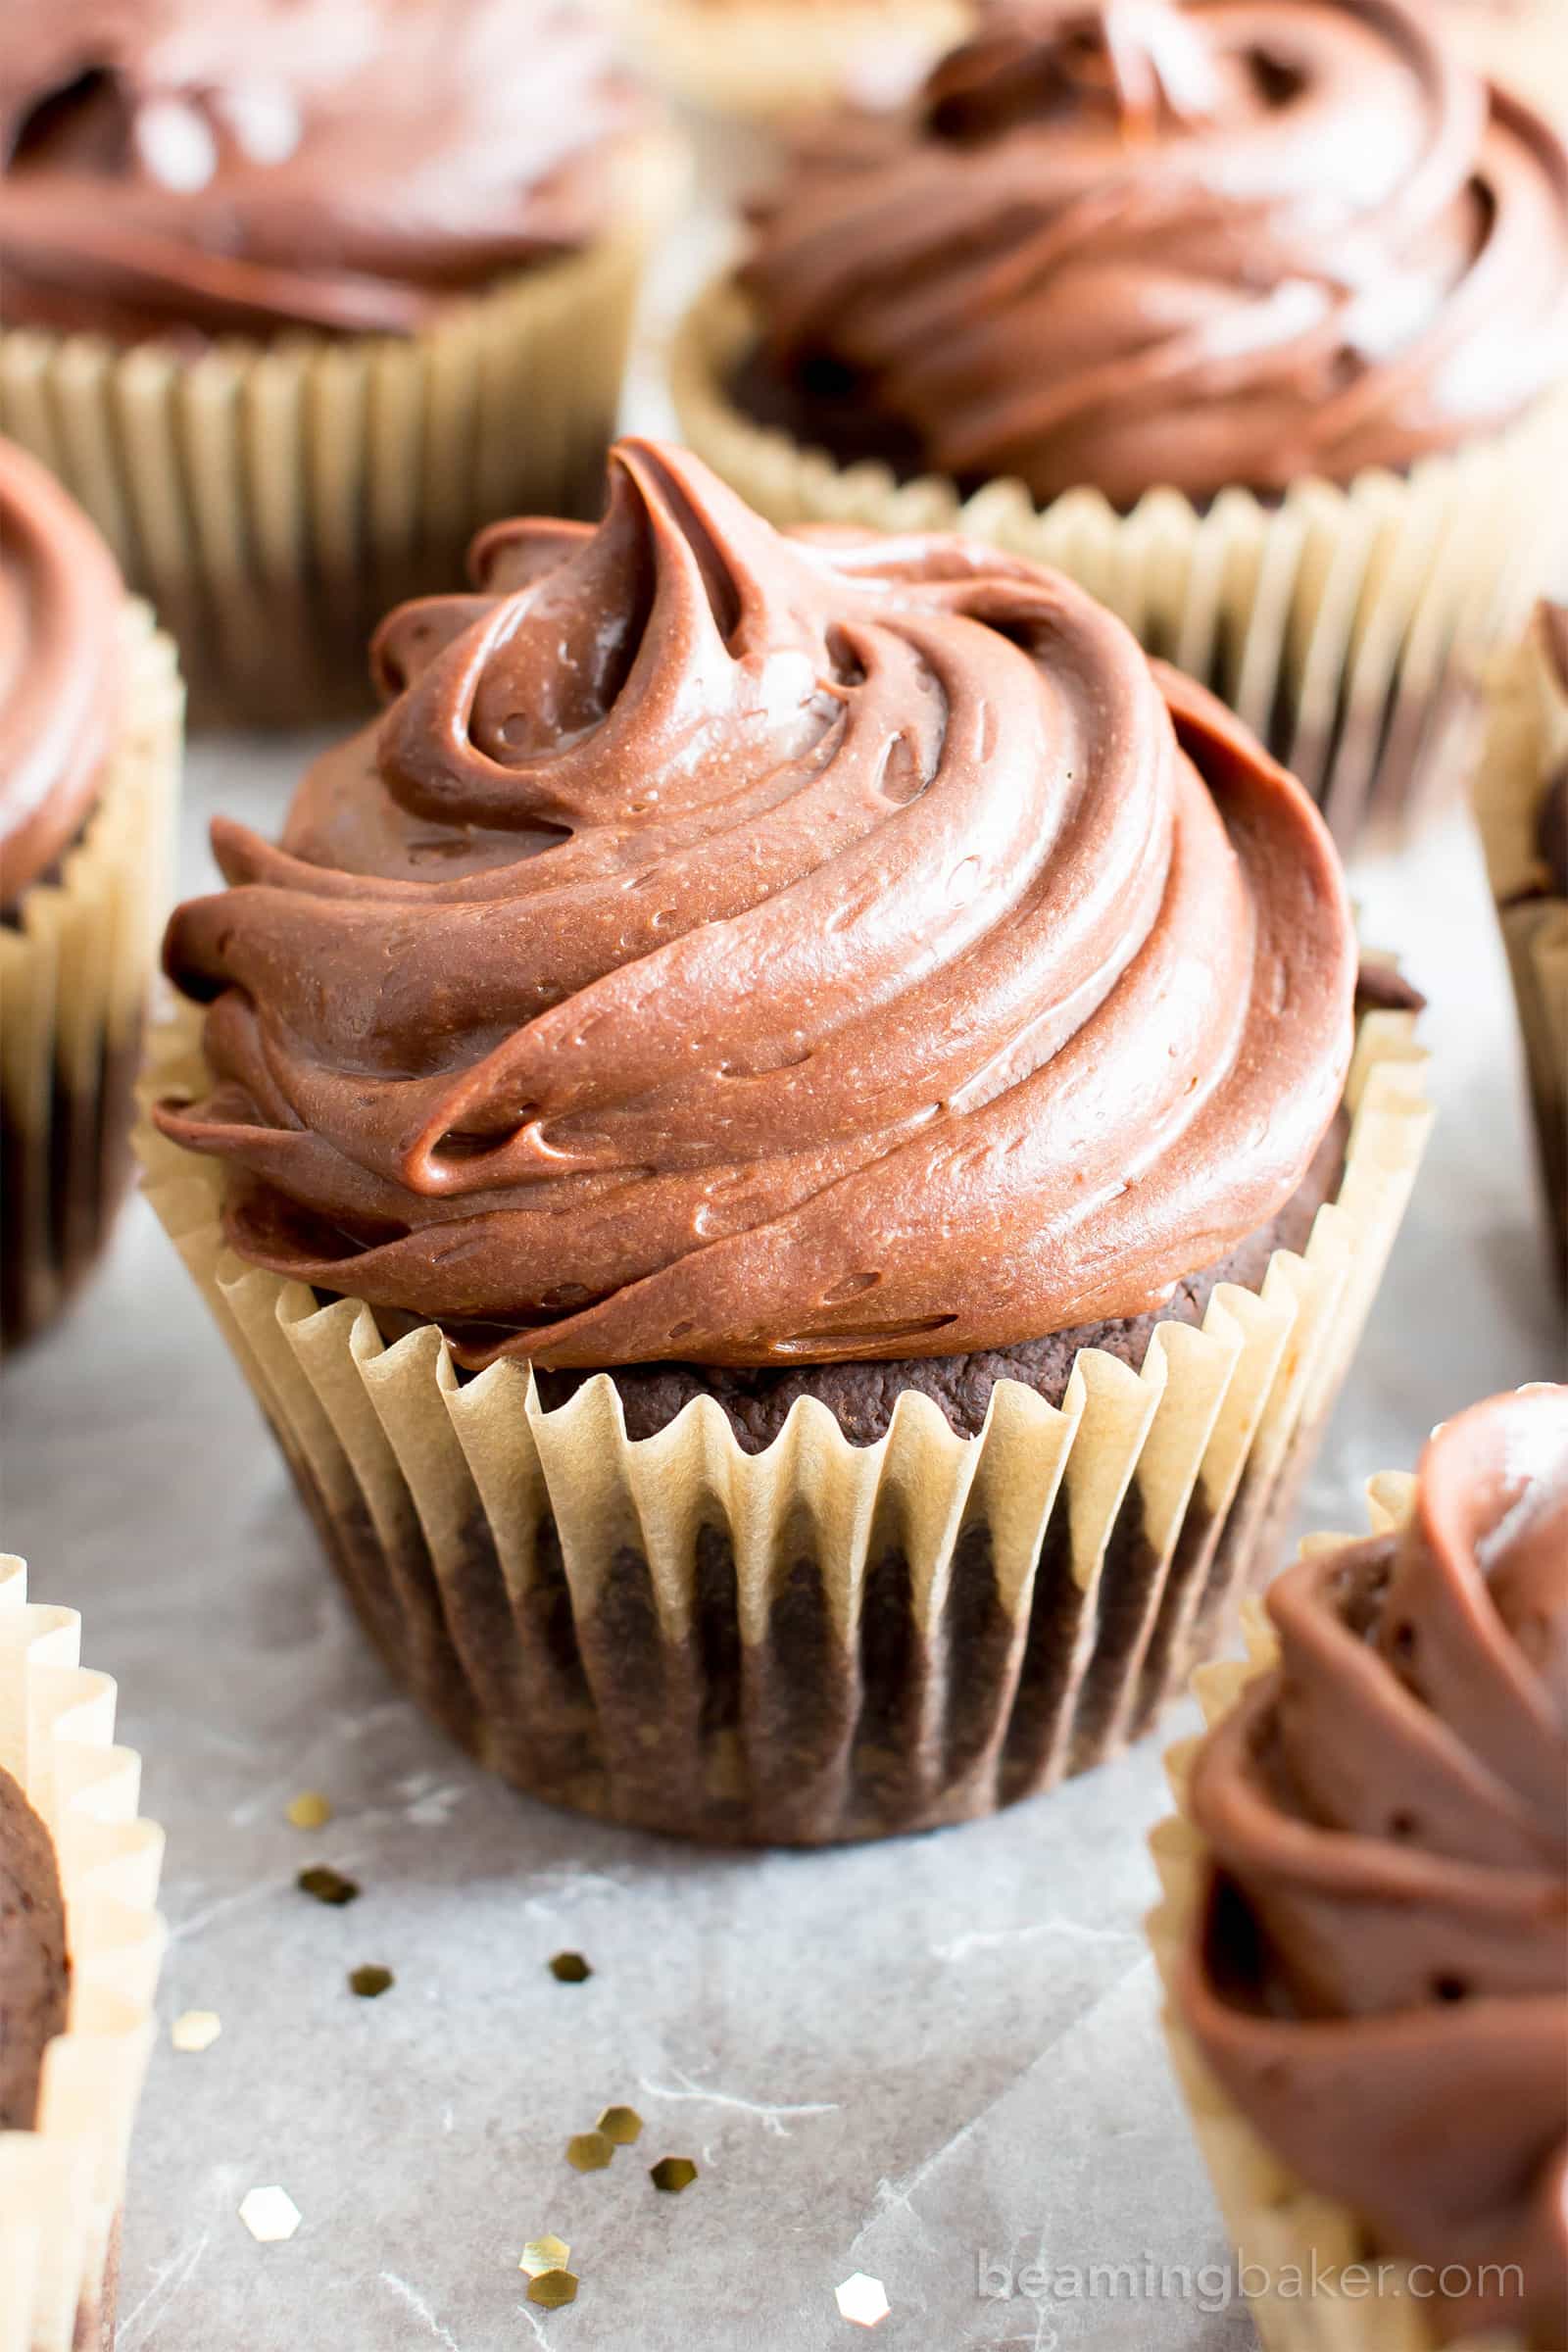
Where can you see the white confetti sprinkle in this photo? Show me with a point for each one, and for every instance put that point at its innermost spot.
(196, 2030)
(862, 2300)
(270, 2215)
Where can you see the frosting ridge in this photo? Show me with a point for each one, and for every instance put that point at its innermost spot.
(60, 603)
(748, 948)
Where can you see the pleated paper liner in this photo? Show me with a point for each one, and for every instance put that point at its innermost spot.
(821, 1641)
(1278, 2227)
(276, 500)
(767, 59)
(60, 2183)
(1526, 749)
(1348, 627)
(74, 968)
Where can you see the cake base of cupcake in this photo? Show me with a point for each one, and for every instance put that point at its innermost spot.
(819, 1640)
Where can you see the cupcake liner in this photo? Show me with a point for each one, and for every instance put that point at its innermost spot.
(1526, 748)
(1281, 2230)
(276, 500)
(1348, 627)
(767, 59)
(74, 968)
(820, 1640)
(60, 2183)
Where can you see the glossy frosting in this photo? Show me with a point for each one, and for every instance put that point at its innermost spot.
(749, 949)
(1382, 1983)
(1132, 245)
(35, 1973)
(59, 670)
(343, 165)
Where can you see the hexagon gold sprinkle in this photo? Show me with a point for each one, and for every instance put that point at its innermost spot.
(542, 2254)
(589, 2151)
(861, 2300)
(270, 2215)
(622, 2124)
(553, 2289)
(672, 2174)
(310, 1810)
(570, 1968)
(196, 2030)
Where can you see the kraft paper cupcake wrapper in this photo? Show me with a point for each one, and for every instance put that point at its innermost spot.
(820, 1640)
(75, 964)
(1348, 627)
(276, 500)
(1526, 748)
(767, 59)
(60, 2183)
(1277, 2226)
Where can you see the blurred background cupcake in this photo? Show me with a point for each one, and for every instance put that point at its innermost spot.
(800, 1308)
(770, 59)
(81, 1945)
(1521, 799)
(1253, 315)
(1362, 1938)
(89, 770)
(298, 293)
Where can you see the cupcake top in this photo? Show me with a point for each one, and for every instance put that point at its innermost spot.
(347, 166)
(1239, 241)
(34, 1971)
(59, 670)
(1381, 1979)
(747, 949)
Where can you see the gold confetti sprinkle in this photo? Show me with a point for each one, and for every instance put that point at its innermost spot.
(310, 1810)
(552, 2288)
(328, 1885)
(622, 2124)
(542, 2254)
(196, 2030)
(673, 2174)
(862, 2300)
(370, 1983)
(589, 2151)
(270, 2215)
(570, 1968)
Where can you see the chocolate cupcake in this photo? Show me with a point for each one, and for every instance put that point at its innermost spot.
(79, 1949)
(770, 1140)
(297, 297)
(1521, 799)
(1253, 315)
(770, 59)
(1365, 1934)
(89, 770)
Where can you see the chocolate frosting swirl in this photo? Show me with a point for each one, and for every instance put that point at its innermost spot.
(1242, 241)
(326, 164)
(744, 948)
(60, 602)
(1382, 1978)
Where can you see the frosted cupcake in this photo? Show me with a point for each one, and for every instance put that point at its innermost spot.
(1253, 315)
(79, 1952)
(297, 297)
(1363, 1941)
(89, 770)
(777, 1142)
